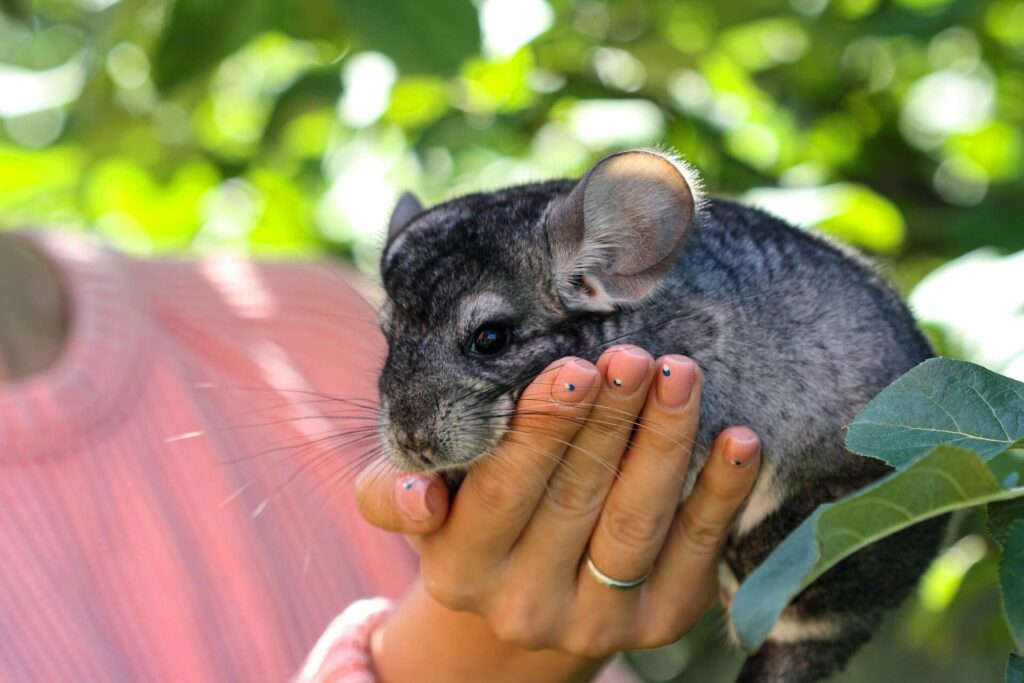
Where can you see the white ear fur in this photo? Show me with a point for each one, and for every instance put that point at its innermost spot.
(406, 209)
(616, 234)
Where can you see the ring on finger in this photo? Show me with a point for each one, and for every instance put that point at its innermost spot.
(610, 582)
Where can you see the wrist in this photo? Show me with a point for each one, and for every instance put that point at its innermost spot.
(342, 653)
(425, 642)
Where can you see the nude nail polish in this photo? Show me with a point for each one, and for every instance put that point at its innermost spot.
(627, 370)
(676, 376)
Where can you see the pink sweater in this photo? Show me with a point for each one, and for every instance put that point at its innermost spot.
(176, 491)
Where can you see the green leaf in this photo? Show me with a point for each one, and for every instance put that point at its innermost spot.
(941, 401)
(1001, 516)
(421, 37)
(1011, 581)
(946, 479)
(1015, 669)
(201, 32)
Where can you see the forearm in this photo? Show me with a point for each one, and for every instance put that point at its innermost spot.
(427, 643)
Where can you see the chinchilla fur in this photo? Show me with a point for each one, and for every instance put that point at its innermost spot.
(794, 334)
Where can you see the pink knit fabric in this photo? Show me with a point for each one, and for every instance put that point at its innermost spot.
(342, 655)
(176, 491)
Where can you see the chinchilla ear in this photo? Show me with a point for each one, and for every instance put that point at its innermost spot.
(406, 209)
(615, 236)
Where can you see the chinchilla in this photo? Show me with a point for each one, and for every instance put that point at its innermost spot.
(794, 334)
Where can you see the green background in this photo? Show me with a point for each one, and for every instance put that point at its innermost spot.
(288, 127)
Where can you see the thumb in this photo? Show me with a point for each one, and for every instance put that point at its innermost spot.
(403, 502)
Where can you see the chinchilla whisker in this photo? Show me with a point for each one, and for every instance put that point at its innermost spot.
(348, 470)
(336, 316)
(283, 390)
(343, 465)
(604, 463)
(256, 425)
(563, 462)
(371, 420)
(559, 441)
(304, 444)
(611, 422)
(534, 449)
(352, 290)
(366, 409)
(526, 377)
(602, 407)
(237, 492)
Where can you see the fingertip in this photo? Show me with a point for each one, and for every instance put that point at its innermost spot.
(678, 379)
(411, 503)
(625, 368)
(574, 380)
(609, 354)
(734, 463)
(422, 501)
(742, 446)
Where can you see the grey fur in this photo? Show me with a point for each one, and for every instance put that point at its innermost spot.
(794, 335)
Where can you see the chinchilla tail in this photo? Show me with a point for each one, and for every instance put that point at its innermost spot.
(834, 616)
(800, 662)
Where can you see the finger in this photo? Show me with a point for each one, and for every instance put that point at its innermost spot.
(398, 501)
(554, 540)
(642, 503)
(701, 526)
(500, 493)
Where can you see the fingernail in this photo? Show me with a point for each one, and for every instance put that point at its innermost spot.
(675, 377)
(627, 370)
(741, 448)
(573, 381)
(411, 496)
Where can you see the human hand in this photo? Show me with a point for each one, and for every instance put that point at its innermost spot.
(513, 547)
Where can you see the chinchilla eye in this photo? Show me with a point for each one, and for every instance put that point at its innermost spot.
(489, 339)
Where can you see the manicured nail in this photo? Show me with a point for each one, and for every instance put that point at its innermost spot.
(411, 496)
(627, 369)
(675, 380)
(741, 447)
(573, 381)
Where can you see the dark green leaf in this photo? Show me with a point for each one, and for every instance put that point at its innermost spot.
(1011, 581)
(945, 479)
(421, 37)
(941, 401)
(18, 9)
(201, 32)
(1015, 669)
(1001, 515)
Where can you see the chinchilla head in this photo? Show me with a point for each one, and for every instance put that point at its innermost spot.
(485, 290)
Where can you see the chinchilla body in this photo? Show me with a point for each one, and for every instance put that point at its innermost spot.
(793, 333)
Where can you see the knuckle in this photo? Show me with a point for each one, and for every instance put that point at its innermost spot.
(608, 427)
(498, 496)
(701, 533)
(658, 634)
(633, 527)
(589, 643)
(516, 623)
(448, 589)
(574, 497)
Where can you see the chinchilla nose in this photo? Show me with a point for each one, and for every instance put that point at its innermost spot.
(418, 447)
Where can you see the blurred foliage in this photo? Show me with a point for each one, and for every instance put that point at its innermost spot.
(289, 128)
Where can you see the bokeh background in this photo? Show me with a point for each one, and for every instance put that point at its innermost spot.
(287, 128)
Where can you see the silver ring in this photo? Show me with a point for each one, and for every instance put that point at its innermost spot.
(608, 581)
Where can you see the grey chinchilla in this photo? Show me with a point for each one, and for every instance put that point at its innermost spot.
(794, 335)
